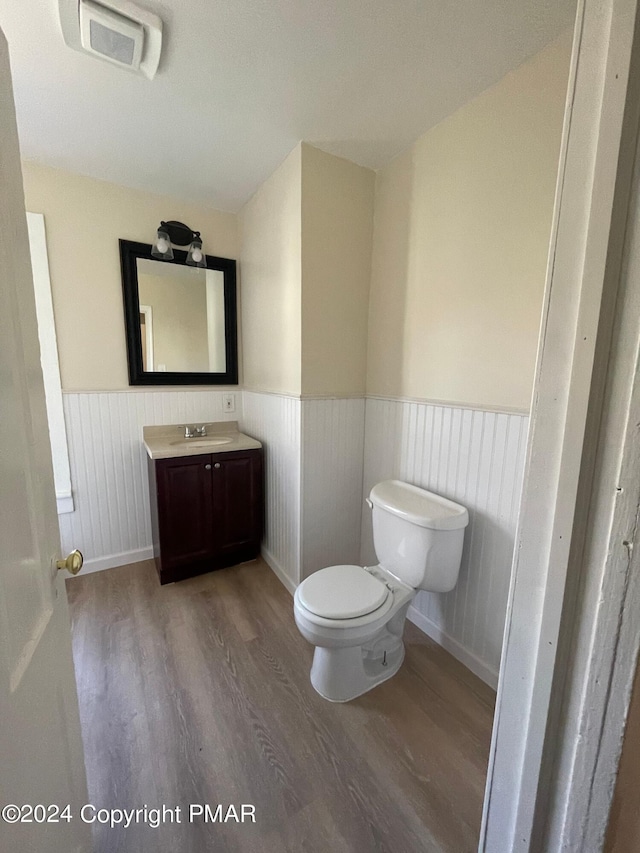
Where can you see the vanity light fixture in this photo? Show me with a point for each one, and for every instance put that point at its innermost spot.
(161, 249)
(195, 255)
(180, 235)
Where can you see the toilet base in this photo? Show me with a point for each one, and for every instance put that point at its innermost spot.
(343, 674)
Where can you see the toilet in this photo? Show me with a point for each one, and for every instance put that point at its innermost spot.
(355, 615)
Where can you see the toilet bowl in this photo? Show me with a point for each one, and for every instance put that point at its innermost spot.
(355, 615)
(356, 652)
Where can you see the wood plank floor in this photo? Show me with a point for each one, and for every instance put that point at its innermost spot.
(199, 692)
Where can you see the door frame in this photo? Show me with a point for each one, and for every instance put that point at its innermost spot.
(559, 721)
(147, 310)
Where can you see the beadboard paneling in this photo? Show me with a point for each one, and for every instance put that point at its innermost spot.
(110, 524)
(477, 459)
(319, 455)
(276, 421)
(332, 463)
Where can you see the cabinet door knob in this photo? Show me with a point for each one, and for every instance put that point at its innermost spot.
(217, 465)
(207, 467)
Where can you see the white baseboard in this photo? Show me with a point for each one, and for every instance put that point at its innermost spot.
(99, 564)
(278, 571)
(454, 647)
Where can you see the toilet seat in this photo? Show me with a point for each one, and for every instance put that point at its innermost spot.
(342, 593)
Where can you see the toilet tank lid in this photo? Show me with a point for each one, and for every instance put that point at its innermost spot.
(419, 506)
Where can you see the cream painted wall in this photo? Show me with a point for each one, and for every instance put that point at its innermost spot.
(337, 230)
(84, 219)
(461, 234)
(179, 311)
(271, 281)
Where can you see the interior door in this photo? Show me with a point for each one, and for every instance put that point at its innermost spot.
(41, 756)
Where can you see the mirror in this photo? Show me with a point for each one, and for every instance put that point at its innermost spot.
(180, 320)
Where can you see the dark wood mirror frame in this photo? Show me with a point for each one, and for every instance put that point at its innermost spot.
(130, 251)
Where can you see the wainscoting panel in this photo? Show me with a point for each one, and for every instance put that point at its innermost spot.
(110, 524)
(477, 459)
(332, 460)
(322, 458)
(275, 420)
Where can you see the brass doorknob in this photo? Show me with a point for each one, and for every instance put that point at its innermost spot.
(73, 563)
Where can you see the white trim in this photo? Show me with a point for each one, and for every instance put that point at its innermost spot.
(305, 397)
(453, 404)
(147, 310)
(64, 502)
(114, 561)
(155, 389)
(455, 648)
(580, 280)
(309, 398)
(278, 571)
(49, 360)
(605, 640)
(450, 404)
(479, 407)
(284, 394)
(430, 401)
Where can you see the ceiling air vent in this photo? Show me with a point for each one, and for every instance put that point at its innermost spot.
(118, 32)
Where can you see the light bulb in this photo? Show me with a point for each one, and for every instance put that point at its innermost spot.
(162, 245)
(196, 255)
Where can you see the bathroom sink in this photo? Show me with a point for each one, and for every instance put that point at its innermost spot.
(205, 440)
(168, 440)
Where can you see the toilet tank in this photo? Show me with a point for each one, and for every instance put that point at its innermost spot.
(418, 535)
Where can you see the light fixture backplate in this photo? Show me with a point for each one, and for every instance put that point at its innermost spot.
(179, 233)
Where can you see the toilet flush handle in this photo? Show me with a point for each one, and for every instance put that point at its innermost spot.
(369, 503)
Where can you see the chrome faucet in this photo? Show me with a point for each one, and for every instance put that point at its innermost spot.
(193, 431)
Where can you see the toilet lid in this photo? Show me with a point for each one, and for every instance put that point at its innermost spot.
(342, 592)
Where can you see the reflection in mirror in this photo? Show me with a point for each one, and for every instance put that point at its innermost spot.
(182, 325)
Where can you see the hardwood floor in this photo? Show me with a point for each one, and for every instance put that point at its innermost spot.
(199, 692)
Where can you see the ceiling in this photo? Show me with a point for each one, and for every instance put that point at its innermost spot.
(242, 81)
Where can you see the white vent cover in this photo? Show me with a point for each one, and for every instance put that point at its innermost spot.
(113, 36)
(117, 31)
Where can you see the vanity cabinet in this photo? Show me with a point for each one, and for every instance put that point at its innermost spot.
(206, 511)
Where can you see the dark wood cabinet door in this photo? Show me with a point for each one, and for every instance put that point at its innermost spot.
(185, 509)
(237, 501)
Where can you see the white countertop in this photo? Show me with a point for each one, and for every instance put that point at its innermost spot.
(165, 442)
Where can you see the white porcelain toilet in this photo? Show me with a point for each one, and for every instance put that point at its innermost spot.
(354, 615)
